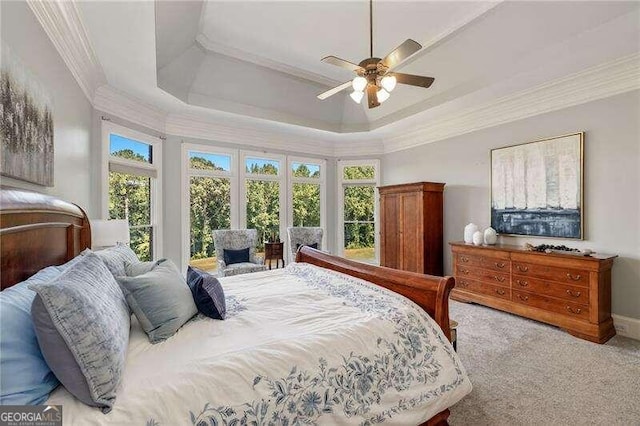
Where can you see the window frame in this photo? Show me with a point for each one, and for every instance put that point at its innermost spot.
(156, 224)
(341, 184)
(186, 174)
(322, 181)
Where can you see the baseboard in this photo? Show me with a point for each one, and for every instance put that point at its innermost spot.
(627, 327)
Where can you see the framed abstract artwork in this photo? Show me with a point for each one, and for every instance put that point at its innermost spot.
(26, 124)
(537, 188)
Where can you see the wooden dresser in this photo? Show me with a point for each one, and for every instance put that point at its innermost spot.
(411, 217)
(570, 291)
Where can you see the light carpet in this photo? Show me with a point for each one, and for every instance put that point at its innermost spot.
(529, 373)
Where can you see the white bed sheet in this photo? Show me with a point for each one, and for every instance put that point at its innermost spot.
(299, 345)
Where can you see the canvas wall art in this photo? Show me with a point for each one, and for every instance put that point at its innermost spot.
(26, 123)
(536, 188)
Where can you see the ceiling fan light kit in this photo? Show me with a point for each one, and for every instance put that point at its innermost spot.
(375, 75)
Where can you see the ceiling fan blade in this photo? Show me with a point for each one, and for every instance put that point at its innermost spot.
(341, 63)
(324, 95)
(372, 96)
(414, 80)
(400, 53)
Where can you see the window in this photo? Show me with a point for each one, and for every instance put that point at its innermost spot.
(306, 195)
(263, 189)
(211, 191)
(358, 233)
(132, 179)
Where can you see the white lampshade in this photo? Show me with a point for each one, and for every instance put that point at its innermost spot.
(388, 82)
(383, 95)
(357, 96)
(359, 83)
(108, 233)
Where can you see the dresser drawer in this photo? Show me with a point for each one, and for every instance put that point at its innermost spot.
(483, 288)
(484, 275)
(560, 306)
(562, 275)
(493, 263)
(550, 288)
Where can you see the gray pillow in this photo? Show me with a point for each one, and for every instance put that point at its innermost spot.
(160, 299)
(133, 269)
(117, 257)
(82, 324)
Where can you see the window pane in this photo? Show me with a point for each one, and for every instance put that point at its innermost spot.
(130, 198)
(305, 170)
(306, 204)
(263, 209)
(205, 161)
(359, 241)
(262, 166)
(358, 203)
(358, 172)
(142, 242)
(210, 210)
(130, 149)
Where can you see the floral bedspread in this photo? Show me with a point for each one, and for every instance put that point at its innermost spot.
(300, 346)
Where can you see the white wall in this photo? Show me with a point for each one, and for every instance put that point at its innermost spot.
(612, 181)
(73, 180)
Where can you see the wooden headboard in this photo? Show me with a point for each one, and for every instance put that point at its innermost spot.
(37, 231)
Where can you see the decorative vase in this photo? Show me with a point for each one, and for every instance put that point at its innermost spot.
(469, 230)
(477, 238)
(490, 236)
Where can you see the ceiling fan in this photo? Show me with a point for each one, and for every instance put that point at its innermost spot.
(376, 75)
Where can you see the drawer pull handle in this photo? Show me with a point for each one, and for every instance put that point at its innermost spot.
(464, 259)
(523, 298)
(464, 284)
(464, 271)
(576, 278)
(522, 268)
(522, 283)
(576, 294)
(500, 265)
(500, 291)
(499, 279)
(576, 311)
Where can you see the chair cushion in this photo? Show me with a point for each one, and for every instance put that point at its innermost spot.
(236, 256)
(160, 299)
(117, 257)
(82, 324)
(207, 293)
(243, 268)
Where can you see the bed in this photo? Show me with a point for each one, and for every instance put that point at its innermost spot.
(323, 341)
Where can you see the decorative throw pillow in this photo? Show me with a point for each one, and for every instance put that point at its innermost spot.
(313, 246)
(82, 323)
(116, 257)
(160, 299)
(133, 269)
(25, 377)
(236, 256)
(207, 293)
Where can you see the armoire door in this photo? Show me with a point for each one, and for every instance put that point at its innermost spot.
(411, 238)
(390, 231)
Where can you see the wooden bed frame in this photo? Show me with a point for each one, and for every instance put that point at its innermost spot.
(38, 230)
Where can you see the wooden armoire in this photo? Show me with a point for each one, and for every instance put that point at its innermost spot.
(411, 227)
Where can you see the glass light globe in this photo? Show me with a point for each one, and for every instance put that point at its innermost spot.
(383, 95)
(357, 96)
(388, 82)
(359, 83)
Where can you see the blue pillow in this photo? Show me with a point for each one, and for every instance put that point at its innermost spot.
(313, 246)
(207, 293)
(236, 256)
(25, 377)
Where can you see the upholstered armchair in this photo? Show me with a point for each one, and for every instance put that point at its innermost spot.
(303, 236)
(237, 239)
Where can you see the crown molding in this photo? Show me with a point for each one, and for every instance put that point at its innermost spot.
(111, 101)
(62, 23)
(193, 126)
(605, 80)
(242, 55)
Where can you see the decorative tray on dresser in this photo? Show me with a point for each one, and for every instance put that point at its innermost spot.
(570, 291)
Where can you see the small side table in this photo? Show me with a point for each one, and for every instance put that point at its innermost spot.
(274, 251)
